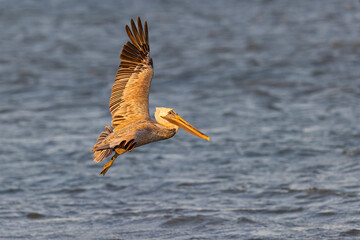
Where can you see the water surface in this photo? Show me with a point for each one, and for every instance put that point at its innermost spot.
(275, 84)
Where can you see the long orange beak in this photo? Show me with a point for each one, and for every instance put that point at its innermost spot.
(177, 120)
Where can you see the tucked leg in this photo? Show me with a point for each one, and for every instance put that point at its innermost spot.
(109, 164)
(118, 151)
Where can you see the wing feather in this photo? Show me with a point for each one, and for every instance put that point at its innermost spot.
(141, 31)
(136, 34)
(130, 92)
(147, 37)
(131, 36)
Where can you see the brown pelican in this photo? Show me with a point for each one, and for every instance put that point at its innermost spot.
(129, 102)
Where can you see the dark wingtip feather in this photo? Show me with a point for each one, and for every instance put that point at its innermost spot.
(131, 36)
(146, 35)
(141, 32)
(136, 34)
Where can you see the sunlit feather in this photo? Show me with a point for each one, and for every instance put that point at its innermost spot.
(129, 103)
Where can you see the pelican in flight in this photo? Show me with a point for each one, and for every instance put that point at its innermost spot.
(132, 125)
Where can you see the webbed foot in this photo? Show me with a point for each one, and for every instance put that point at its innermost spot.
(109, 164)
(106, 168)
(118, 151)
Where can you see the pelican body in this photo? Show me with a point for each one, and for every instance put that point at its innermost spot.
(132, 126)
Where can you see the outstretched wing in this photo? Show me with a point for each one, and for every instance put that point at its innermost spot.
(129, 99)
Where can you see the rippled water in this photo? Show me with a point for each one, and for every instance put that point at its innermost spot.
(275, 84)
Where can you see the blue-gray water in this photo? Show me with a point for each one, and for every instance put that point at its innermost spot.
(275, 84)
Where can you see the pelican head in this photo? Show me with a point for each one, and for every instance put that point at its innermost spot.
(170, 119)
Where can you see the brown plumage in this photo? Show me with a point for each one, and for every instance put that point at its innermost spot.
(128, 105)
